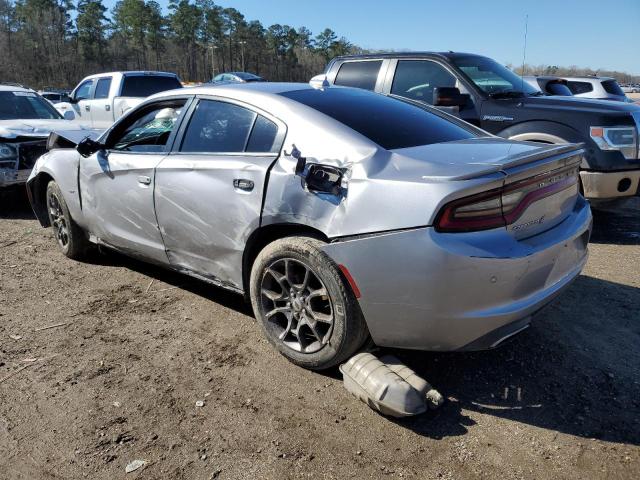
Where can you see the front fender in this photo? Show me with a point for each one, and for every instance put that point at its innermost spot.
(62, 167)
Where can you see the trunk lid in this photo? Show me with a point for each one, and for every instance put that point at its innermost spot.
(540, 182)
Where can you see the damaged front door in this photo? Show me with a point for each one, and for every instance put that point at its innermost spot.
(117, 182)
(209, 190)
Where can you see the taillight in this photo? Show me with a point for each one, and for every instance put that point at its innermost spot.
(503, 206)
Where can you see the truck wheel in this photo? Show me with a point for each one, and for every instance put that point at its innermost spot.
(307, 311)
(71, 238)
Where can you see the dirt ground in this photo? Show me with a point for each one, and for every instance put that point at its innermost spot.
(118, 375)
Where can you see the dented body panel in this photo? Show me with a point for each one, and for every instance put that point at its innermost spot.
(198, 213)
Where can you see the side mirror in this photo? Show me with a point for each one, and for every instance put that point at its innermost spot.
(69, 115)
(449, 97)
(88, 147)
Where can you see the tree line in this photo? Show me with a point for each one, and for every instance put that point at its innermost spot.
(57, 42)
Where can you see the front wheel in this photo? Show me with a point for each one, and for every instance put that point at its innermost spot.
(70, 237)
(306, 310)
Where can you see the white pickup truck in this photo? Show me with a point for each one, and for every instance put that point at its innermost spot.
(99, 100)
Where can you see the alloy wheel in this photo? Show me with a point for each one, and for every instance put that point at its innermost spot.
(58, 220)
(296, 305)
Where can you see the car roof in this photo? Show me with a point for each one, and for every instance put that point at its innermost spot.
(446, 55)
(131, 72)
(13, 88)
(234, 90)
(588, 79)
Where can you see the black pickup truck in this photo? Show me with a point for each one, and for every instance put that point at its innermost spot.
(489, 95)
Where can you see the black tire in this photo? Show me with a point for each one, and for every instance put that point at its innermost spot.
(71, 239)
(347, 332)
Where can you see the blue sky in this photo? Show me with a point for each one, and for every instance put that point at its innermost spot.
(586, 33)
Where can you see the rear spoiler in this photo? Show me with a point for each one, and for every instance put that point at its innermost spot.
(70, 138)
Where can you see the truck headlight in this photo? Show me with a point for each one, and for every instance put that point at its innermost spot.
(623, 139)
(8, 151)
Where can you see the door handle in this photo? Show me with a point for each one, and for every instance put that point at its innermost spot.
(243, 184)
(107, 107)
(144, 180)
(87, 108)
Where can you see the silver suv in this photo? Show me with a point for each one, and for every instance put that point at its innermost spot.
(603, 88)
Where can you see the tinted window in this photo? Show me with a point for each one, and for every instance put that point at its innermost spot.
(263, 136)
(145, 85)
(149, 130)
(218, 127)
(25, 105)
(388, 122)
(555, 88)
(84, 90)
(416, 79)
(612, 87)
(579, 87)
(54, 97)
(102, 88)
(359, 74)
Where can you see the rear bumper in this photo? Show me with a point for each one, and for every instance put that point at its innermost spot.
(610, 185)
(426, 290)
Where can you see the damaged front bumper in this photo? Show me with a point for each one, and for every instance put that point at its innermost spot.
(17, 160)
(425, 290)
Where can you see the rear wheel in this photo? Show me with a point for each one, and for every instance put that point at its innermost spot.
(70, 237)
(306, 310)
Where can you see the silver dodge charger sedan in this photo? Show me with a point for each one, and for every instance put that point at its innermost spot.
(343, 215)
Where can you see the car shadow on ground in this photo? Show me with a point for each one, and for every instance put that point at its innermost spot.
(14, 204)
(619, 224)
(574, 371)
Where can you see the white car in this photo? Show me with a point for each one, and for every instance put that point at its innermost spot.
(99, 100)
(26, 120)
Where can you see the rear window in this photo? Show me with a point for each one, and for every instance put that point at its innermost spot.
(145, 85)
(612, 87)
(386, 121)
(579, 87)
(359, 74)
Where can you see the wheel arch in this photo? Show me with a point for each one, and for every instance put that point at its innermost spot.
(37, 192)
(542, 131)
(263, 236)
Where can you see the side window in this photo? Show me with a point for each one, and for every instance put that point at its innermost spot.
(580, 87)
(102, 88)
(359, 74)
(83, 91)
(416, 79)
(218, 127)
(263, 136)
(148, 130)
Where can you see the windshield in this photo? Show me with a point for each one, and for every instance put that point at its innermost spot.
(25, 106)
(493, 78)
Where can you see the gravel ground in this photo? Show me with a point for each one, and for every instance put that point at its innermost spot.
(132, 350)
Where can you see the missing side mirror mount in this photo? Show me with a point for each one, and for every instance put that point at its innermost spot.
(88, 147)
